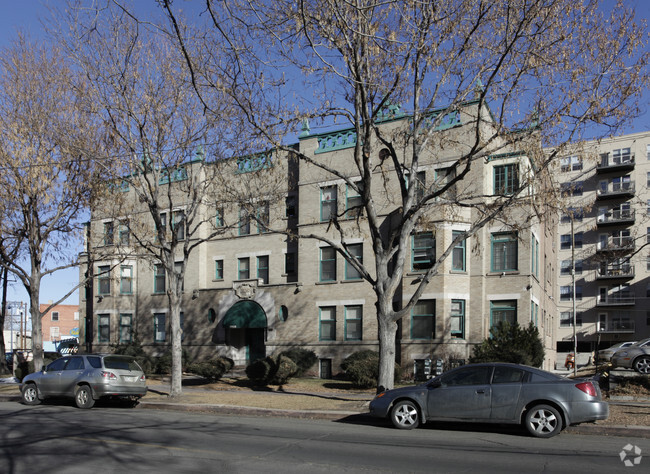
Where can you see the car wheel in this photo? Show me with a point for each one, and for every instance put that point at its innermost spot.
(405, 415)
(642, 364)
(30, 394)
(83, 397)
(543, 421)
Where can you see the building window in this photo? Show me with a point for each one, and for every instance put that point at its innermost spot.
(327, 264)
(506, 179)
(55, 333)
(503, 311)
(290, 206)
(534, 313)
(353, 322)
(290, 263)
(353, 202)
(534, 256)
(159, 331)
(566, 291)
(104, 328)
(327, 326)
(457, 319)
(423, 251)
(420, 185)
(621, 155)
(328, 204)
(356, 252)
(577, 213)
(159, 283)
(218, 269)
(218, 219)
(571, 163)
(126, 279)
(423, 320)
(178, 270)
(577, 239)
(178, 224)
(575, 188)
(125, 327)
(504, 252)
(55, 315)
(244, 222)
(108, 233)
(243, 268)
(565, 268)
(104, 280)
(263, 219)
(458, 254)
(124, 234)
(566, 319)
(263, 268)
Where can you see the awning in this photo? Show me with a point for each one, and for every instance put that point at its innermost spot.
(245, 314)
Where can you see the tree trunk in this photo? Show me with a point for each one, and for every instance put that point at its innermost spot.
(387, 332)
(177, 349)
(37, 332)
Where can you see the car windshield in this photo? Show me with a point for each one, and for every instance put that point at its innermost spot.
(644, 342)
(121, 363)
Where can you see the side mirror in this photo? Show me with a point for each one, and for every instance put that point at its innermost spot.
(43, 369)
(435, 383)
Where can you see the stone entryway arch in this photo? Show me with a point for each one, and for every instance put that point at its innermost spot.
(247, 320)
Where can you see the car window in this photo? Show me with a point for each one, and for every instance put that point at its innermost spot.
(57, 364)
(508, 375)
(95, 362)
(468, 376)
(120, 363)
(76, 363)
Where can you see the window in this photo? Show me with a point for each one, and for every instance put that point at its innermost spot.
(566, 291)
(159, 333)
(104, 280)
(566, 319)
(263, 268)
(457, 319)
(244, 222)
(566, 267)
(218, 220)
(534, 256)
(163, 223)
(504, 252)
(353, 202)
(178, 270)
(290, 204)
(353, 322)
(420, 185)
(423, 319)
(108, 233)
(621, 155)
(508, 375)
(577, 239)
(327, 264)
(458, 254)
(577, 213)
(126, 279)
(503, 311)
(506, 179)
(104, 328)
(243, 268)
(218, 269)
(159, 283)
(124, 234)
(125, 327)
(75, 363)
(423, 251)
(570, 163)
(55, 315)
(467, 376)
(178, 224)
(327, 326)
(263, 221)
(534, 313)
(575, 188)
(565, 241)
(328, 204)
(355, 251)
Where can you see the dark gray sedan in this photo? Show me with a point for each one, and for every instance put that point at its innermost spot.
(86, 378)
(542, 402)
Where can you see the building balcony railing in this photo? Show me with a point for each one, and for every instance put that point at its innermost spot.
(615, 190)
(620, 244)
(615, 271)
(616, 299)
(622, 326)
(616, 217)
(618, 163)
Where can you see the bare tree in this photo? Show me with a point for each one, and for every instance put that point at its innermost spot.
(45, 175)
(550, 69)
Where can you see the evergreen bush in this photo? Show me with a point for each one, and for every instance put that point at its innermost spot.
(211, 370)
(303, 358)
(511, 343)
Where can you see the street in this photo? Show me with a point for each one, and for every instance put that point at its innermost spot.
(56, 437)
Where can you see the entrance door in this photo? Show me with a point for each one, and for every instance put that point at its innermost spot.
(255, 347)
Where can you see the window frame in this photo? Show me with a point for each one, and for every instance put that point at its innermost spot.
(128, 279)
(419, 251)
(244, 273)
(418, 318)
(103, 280)
(458, 314)
(511, 244)
(123, 326)
(351, 273)
(218, 269)
(104, 323)
(328, 206)
(159, 319)
(506, 179)
(327, 262)
(329, 323)
(358, 319)
(263, 268)
(159, 278)
(460, 247)
(508, 307)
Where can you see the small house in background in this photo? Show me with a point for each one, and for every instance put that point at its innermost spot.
(60, 328)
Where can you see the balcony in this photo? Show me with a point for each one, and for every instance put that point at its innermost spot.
(616, 326)
(625, 298)
(624, 270)
(616, 217)
(616, 190)
(615, 163)
(618, 244)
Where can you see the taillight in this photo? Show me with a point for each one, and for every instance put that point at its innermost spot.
(588, 388)
(108, 375)
(142, 378)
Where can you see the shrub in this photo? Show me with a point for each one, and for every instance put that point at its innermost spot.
(134, 348)
(511, 343)
(362, 368)
(285, 368)
(272, 370)
(211, 370)
(303, 358)
(163, 364)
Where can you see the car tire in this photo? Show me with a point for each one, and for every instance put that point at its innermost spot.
(543, 421)
(642, 364)
(405, 415)
(30, 394)
(83, 397)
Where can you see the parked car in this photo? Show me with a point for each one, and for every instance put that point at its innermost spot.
(9, 359)
(544, 403)
(605, 355)
(636, 356)
(86, 378)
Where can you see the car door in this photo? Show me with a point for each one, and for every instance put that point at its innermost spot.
(506, 388)
(73, 370)
(50, 381)
(462, 394)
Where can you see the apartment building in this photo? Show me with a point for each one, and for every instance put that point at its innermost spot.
(253, 291)
(604, 233)
(58, 324)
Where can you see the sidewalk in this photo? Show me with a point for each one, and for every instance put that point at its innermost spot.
(313, 405)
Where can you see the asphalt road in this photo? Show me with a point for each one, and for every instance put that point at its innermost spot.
(56, 437)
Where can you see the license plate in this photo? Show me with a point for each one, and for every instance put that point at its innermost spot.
(131, 379)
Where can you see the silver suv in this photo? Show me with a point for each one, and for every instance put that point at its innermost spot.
(86, 378)
(636, 356)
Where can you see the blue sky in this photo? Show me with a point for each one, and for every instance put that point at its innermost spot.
(25, 15)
